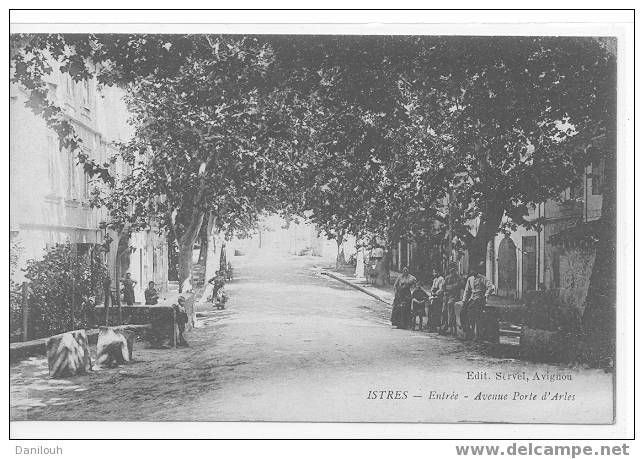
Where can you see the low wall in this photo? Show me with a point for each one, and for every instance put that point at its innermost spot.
(487, 324)
(160, 318)
(36, 347)
(156, 324)
(131, 315)
(163, 329)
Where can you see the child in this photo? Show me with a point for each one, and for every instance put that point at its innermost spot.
(182, 320)
(221, 298)
(418, 300)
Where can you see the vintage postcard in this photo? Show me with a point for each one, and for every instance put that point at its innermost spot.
(372, 225)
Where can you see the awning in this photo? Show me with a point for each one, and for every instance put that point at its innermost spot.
(585, 234)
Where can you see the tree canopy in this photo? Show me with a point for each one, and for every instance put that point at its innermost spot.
(366, 135)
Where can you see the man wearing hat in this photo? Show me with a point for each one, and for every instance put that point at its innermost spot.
(452, 288)
(182, 319)
(477, 289)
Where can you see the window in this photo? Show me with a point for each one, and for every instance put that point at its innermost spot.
(72, 181)
(529, 263)
(52, 163)
(572, 193)
(83, 248)
(86, 95)
(83, 177)
(556, 263)
(597, 176)
(84, 184)
(69, 87)
(576, 192)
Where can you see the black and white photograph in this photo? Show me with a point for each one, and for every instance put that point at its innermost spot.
(368, 227)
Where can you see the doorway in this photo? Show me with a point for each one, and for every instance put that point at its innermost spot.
(529, 263)
(507, 263)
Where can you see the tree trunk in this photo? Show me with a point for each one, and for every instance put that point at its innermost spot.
(186, 242)
(203, 249)
(477, 245)
(123, 237)
(185, 266)
(173, 260)
(598, 318)
(490, 219)
(214, 250)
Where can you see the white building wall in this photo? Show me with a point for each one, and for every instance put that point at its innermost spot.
(49, 192)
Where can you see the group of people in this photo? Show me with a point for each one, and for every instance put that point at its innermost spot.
(412, 303)
(219, 295)
(152, 298)
(151, 293)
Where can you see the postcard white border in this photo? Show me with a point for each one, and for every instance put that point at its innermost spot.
(601, 23)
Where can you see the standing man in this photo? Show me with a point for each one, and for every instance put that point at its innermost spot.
(182, 319)
(452, 288)
(436, 301)
(477, 289)
(151, 294)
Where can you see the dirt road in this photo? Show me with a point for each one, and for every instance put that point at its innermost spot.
(294, 345)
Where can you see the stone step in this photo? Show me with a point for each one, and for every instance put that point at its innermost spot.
(509, 329)
(509, 332)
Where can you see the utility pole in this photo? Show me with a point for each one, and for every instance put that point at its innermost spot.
(450, 235)
(73, 293)
(117, 282)
(107, 301)
(25, 312)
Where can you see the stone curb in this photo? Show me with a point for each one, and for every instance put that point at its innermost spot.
(22, 350)
(356, 286)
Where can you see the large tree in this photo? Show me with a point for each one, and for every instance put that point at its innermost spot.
(344, 111)
(201, 140)
(201, 150)
(511, 119)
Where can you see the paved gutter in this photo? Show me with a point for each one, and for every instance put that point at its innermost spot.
(373, 292)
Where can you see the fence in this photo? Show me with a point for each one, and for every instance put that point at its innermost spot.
(24, 325)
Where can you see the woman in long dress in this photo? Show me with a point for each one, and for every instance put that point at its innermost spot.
(401, 310)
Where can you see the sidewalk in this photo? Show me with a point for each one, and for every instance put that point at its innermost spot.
(510, 311)
(384, 294)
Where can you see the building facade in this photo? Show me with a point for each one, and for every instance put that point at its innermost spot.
(527, 260)
(49, 191)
